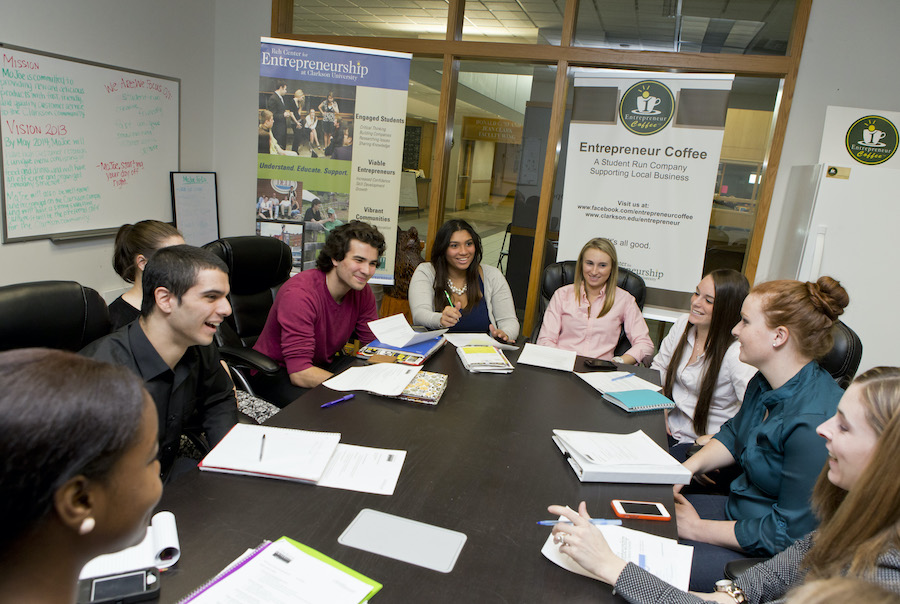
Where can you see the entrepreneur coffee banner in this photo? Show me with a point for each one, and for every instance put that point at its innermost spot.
(641, 167)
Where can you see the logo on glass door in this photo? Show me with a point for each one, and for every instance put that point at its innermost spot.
(647, 107)
(872, 140)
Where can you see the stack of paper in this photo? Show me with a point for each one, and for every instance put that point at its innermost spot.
(484, 359)
(477, 339)
(634, 458)
(286, 571)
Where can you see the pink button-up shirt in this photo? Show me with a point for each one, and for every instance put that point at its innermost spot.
(569, 326)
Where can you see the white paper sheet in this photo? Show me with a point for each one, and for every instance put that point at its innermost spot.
(160, 549)
(282, 573)
(665, 558)
(545, 356)
(616, 381)
(396, 331)
(387, 379)
(476, 339)
(364, 469)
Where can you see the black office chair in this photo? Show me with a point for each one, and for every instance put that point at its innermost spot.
(504, 250)
(257, 267)
(559, 274)
(51, 314)
(843, 359)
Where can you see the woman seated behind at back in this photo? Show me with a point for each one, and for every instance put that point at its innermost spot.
(78, 469)
(591, 320)
(456, 291)
(859, 509)
(135, 244)
(698, 361)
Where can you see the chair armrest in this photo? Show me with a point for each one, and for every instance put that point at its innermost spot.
(247, 357)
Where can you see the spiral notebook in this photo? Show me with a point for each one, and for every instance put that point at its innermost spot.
(639, 400)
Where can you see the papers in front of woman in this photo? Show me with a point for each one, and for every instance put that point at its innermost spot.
(477, 339)
(396, 331)
(286, 571)
(665, 558)
(616, 381)
(484, 359)
(632, 458)
(545, 356)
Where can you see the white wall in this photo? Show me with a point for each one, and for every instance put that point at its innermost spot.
(848, 60)
(212, 45)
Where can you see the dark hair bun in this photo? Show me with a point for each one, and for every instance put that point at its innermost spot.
(828, 296)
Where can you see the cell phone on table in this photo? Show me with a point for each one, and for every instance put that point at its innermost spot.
(600, 365)
(133, 586)
(641, 510)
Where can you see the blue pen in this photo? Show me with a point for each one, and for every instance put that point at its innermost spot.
(622, 377)
(597, 521)
(340, 400)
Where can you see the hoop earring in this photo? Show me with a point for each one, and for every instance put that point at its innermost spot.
(87, 526)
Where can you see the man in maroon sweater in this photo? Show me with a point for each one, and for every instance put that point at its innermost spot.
(317, 311)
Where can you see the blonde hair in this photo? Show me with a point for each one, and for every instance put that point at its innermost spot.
(841, 589)
(603, 245)
(860, 525)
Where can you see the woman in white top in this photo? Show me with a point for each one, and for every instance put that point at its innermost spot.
(311, 123)
(698, 360)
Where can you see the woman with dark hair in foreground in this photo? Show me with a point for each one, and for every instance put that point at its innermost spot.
(78, 469)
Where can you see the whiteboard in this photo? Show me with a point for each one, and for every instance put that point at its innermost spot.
(195, 202)
(85, 147)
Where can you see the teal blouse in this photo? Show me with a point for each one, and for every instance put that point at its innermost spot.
(781, 457)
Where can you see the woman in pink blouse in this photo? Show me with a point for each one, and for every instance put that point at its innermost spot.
(588, 315)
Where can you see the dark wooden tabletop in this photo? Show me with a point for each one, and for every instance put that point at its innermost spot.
(480, 462)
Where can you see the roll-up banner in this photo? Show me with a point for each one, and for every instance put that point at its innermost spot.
(641, 170)
(332, 123)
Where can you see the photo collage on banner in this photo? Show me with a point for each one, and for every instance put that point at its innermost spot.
(641, 167)
(331, 127)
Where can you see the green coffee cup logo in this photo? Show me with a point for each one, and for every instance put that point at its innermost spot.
(872, 140)
(647, 107)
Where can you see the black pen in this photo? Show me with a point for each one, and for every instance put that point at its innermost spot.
(262, 446)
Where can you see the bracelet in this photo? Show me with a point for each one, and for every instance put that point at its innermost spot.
(619, 360)
(727, 586)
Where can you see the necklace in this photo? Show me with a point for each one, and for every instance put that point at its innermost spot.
(459, 291)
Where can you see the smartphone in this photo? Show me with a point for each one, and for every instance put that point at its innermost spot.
(135, 586)
(643, 510)
(600, 365)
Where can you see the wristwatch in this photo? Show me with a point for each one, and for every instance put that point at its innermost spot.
(727, 586)
(618, 360)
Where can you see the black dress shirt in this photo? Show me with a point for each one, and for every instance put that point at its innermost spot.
(197, 393)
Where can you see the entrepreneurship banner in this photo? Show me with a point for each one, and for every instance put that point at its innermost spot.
(641, 168)
(331, 127)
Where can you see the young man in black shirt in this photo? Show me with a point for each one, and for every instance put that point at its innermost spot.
(185, 299)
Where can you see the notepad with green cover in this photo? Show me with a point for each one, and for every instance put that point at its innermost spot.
(639, 400)
(276, 572)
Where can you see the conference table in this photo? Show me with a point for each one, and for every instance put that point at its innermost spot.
(480, 462)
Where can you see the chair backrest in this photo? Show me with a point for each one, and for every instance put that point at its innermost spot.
(843, 359)
(257, 267)
(51, 314)
(559, 274)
